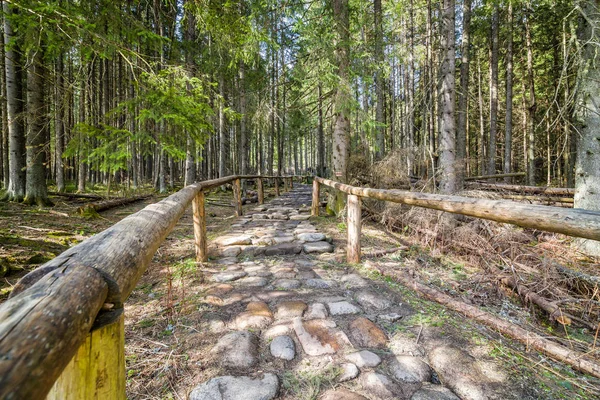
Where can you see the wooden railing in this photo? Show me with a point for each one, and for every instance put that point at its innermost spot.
(62, 332)
(573, 222)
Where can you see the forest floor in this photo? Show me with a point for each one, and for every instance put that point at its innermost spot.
(170, 333)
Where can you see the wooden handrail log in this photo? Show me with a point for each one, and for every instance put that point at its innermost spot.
(573, 222)
(43, 327)
(555, 191)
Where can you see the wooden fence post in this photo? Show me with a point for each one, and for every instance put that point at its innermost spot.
(291, 182)
(261, 191)
(286, 186)
(237, 197)
(315, 199)
(199, 227)
(97, 371)
(276, 186)
(354, 228)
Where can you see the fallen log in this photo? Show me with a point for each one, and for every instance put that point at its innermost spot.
(483, 177)
(76, 195)
(108, 204)
(525, 189)
(543, 199)
(590, 281)
(575, 359)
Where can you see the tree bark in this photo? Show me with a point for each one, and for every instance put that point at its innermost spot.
(587, 171)
(341, 129)
(15, 108)
(491, 169)
(531, 106)
(463, 96)
(36, 191)
(509, 95)
(448, 181)
(59, 124)
(380, 129)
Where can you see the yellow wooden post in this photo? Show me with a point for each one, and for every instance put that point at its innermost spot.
(237, 197)
(97, 371)
(261, 191)
(354, 228)
(315, 199)
(199, 227)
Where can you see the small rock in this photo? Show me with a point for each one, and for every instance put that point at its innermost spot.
(237, 350)
(342, 308)
(391, 317)
(316, 311)
(260, 216)
(233, 240)
(434, 392)
(368, 299)
(237, 388)
(349, 372)
(228, 276)
(283, 239)
(299, 217)
(306, 274)
(286, 284)
(319, 337)
(408, 369)
(213, 300)
(280, 329)
(231, 251)
(354, 281)
(253, 281)
(364, 359)
(257, 316)
(279, 216)
(290, 309)
(311, 237)
(367, 334)
(302, 262)
(227, 261)
(258, 271)
(283, 249)
(260, 208)
(379, 386)
(318, 247)
(216, 325)
(318, 283)
(220, 289)
(283, 347)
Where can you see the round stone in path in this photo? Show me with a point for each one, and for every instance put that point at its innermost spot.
(349, 372)
(364, 359)
(257, 315)
(316, 311)
(318, 283)
(318, 247)
(228, 276)
(379, 386)
(283, 347)
(319, 336)
(434, 392)
(290, 309)
(410, 369)
(231, 251)
(237, 388)
(224, 241)
(367, 334)
(237, 350)
(343, 308)
(311, 236)
(367, 298)
(253, 281)
(342, 394)
(286, 284)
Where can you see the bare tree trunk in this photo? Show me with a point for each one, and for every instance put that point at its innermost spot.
(531, 106)
(448, 181)
(481, 157)
(320, 138)
(493, 94)
(15, 107)
(59, 123)
(509, 94)
(36, 191)
(463, 95)
(243, 144)
(380, 135)
(5, 134)
(410, 122)
(587, 172)
(341, 129)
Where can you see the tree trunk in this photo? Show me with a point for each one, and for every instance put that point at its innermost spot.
(36, 191)
(5, 134)
(16, 126)
(531, 106)
(59, 124)
(380, 130)
(481, 146)
(463, 96)
(341, 128)
(493, 94)
(509, 95)
(320, 138)
(448, 181)
(587, 112)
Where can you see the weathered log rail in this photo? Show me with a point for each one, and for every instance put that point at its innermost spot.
(573, 222)
(73, 304)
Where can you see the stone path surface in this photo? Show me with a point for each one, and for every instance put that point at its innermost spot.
(282, 309)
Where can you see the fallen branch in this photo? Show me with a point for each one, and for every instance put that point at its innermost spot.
(590, 281)
(108, 204)
(481, 177)
(525, 189)
(573, 358)
(77, 195)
